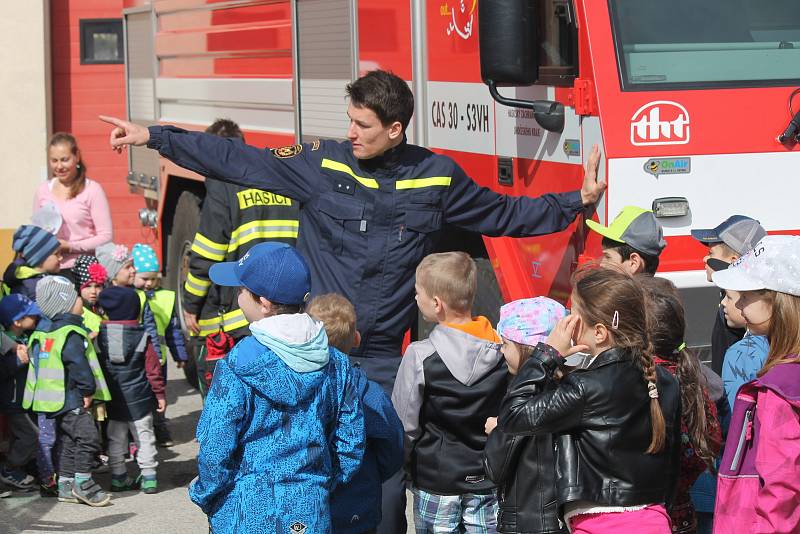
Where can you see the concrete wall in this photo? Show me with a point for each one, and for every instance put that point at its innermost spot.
(25, 109)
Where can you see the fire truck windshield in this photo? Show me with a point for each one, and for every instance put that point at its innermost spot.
(713, 43)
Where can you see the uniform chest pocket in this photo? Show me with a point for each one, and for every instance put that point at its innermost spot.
(423, 220)
(343, 223)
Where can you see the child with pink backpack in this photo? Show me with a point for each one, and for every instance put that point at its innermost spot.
(758, 486)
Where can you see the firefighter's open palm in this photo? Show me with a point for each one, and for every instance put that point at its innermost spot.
(592, 187)
(126, 133)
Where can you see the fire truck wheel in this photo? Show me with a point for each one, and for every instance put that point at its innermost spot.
(487, 297)
(184, 226)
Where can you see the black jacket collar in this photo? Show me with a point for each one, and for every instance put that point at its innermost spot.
(612, 355)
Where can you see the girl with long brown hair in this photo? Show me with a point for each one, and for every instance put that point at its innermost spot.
(758, 487)
(701, 434)
(616, 421)
(81, 202)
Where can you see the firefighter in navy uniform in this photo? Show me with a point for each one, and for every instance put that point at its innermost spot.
(233, 220)
(371, 208)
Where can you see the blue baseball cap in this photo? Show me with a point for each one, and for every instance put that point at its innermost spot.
(15, 306)
(275, 271)
(739, 232)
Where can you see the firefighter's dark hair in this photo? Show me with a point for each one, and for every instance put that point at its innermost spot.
(650, 261)
(225, 128)
(384, 93)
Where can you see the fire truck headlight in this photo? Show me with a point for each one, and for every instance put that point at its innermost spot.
(671, 207)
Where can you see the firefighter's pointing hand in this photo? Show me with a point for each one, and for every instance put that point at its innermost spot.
(126, 133)
(592, 187)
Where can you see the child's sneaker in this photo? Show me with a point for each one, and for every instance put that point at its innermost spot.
(50, 488)
(149, 484)
(123, 483)
(88, 492)
(17, 478)
(64, 491)
(163, 436)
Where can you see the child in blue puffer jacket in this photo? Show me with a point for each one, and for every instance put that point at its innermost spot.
(356, 506)
(282, 424)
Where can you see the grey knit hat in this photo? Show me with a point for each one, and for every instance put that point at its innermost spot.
(113, 258)
(54, 295)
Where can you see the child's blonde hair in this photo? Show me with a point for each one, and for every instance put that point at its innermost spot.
(784, 330)
(339, 318)
(451, 276)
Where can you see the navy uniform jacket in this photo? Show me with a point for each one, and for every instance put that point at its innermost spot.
(366, 224)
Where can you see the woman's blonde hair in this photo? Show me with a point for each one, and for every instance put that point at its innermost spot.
(784, 330)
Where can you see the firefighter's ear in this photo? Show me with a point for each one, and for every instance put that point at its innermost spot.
(395, 130)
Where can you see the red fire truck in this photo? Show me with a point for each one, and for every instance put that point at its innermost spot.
(685, 99)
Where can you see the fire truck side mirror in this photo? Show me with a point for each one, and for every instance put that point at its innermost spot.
(508, 42)
(510, 56)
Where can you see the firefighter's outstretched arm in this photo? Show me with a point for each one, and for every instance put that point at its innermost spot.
(480, 209)
(290, 174)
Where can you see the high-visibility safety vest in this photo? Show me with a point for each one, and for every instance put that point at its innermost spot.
(162, 305)
(91, 320)
(45, 390)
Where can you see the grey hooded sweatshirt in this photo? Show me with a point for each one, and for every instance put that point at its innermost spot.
(446, 387)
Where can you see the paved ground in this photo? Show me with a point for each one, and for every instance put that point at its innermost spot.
(169, 511)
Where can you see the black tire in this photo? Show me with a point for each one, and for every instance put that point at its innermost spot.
(184, 226)
(487, 299)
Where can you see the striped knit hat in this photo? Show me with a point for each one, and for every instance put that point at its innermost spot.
(54, 295)
(34, 244)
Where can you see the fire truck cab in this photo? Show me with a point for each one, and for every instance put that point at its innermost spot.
(686, 101)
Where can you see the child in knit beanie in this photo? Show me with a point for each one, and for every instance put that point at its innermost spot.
(90, 278)
(159, 306)
(38, 254)
(118, 263)
(62, 348)
(133, 369)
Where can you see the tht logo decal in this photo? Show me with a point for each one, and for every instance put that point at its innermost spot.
(660, 123)
(462, 18)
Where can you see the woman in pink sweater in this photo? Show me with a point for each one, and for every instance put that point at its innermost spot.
(81, 202)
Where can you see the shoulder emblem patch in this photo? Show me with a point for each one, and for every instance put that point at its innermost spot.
(287, 151)
(315, 145)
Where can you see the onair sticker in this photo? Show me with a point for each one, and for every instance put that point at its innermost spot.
(572, 147)
(658, 166)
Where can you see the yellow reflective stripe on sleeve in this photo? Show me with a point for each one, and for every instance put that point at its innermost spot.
(208, 249)
(418, 183)
(263, 230)
(341, 167)
(197, 286)
(230, 321)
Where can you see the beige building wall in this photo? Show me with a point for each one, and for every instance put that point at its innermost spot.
(25, 109)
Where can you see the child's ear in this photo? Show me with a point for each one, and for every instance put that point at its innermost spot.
(438, 305)
(357, 339)
(600, 333)
(266, 306)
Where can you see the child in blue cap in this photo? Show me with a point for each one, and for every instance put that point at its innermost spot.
(159, 304)
(18, 316)
(282, 424)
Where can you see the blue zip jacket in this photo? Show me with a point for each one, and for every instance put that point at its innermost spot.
(274, 441)
(742, 361)
(366, 224)
(356, 506)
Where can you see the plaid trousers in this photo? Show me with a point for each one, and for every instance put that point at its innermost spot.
(452, 514)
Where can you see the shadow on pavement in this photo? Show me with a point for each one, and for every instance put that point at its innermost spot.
(92, 524)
